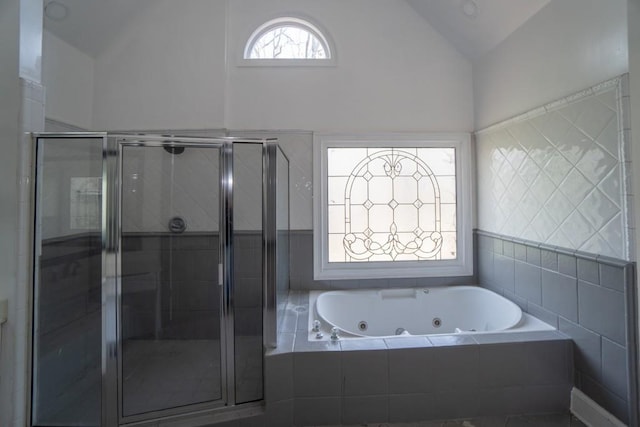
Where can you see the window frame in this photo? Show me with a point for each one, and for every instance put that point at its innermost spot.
(461, 266)
(294, 21)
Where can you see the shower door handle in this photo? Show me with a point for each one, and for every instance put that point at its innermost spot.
(220, 275)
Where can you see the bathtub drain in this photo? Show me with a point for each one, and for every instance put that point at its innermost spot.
(362, 325)
(437, 322)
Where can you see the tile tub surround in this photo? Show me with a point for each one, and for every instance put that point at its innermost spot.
(559, 174)
(409, 379)
(589, 298)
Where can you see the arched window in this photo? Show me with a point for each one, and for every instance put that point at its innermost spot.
(288, 38)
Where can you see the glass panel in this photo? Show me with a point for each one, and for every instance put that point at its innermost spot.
(288, 42)
(170, 298)
(247, 245)
(282, 236)
(68, 274)
(399, 204)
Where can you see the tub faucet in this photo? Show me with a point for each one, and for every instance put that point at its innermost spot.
(316, 326)
(334, 334)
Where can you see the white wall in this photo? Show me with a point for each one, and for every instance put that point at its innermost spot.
(31, 40)
(9, 111)
(568, 46)
(394, 72)
(67, 74)
(165, 70)
(21, 110)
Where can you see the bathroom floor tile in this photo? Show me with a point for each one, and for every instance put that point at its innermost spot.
(555, 420)
(547, 420)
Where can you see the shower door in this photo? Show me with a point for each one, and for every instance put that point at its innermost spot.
(171, 329)
(151, 276)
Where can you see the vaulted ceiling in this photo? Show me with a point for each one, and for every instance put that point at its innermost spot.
(89, 25)
(473, 27)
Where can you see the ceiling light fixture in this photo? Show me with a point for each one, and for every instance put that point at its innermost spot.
(56, 11)
(469, 8)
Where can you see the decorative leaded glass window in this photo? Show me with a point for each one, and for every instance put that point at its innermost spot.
(392, 206)
(288, 40)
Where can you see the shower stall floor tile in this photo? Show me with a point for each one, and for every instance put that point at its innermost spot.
(160, 374)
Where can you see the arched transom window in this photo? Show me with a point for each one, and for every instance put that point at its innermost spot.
(287, 38)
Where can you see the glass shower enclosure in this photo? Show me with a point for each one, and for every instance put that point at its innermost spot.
(157, 267)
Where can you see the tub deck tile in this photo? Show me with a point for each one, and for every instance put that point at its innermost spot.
(363, 344)
(407, 342)
(451, 340)
(512, 337)
(302, 344)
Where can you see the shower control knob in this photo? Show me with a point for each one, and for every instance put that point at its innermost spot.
(177, 225)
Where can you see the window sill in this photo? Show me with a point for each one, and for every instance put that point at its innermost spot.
(286, 63)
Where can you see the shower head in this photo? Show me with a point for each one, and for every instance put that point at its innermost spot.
(172, 149)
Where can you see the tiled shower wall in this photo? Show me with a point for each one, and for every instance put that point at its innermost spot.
(557, 174)
(554, 232)
(188, 263)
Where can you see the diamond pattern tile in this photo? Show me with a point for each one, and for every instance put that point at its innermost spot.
(596, 163)
(192, 193)
(611, 186)
(554, 128)
(575, 187)
(573, 145)
(578, 229)
(529, 170)
(594, 118)
(557, 177)
(613, 232)
(544, 225)
(542, 187)
(598, 209)
(608, 139)
(557, 168)
(608, 98)
(530, 206)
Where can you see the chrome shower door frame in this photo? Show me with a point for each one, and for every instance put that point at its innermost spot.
(36, 236)
(111, 265)
(270, 236)
(113, 389)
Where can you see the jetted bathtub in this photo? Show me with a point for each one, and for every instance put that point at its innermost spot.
(414, 311)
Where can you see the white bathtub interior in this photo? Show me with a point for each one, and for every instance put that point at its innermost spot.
(447, 310)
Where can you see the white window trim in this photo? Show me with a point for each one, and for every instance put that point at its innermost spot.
(462, 266)
(304, 23)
